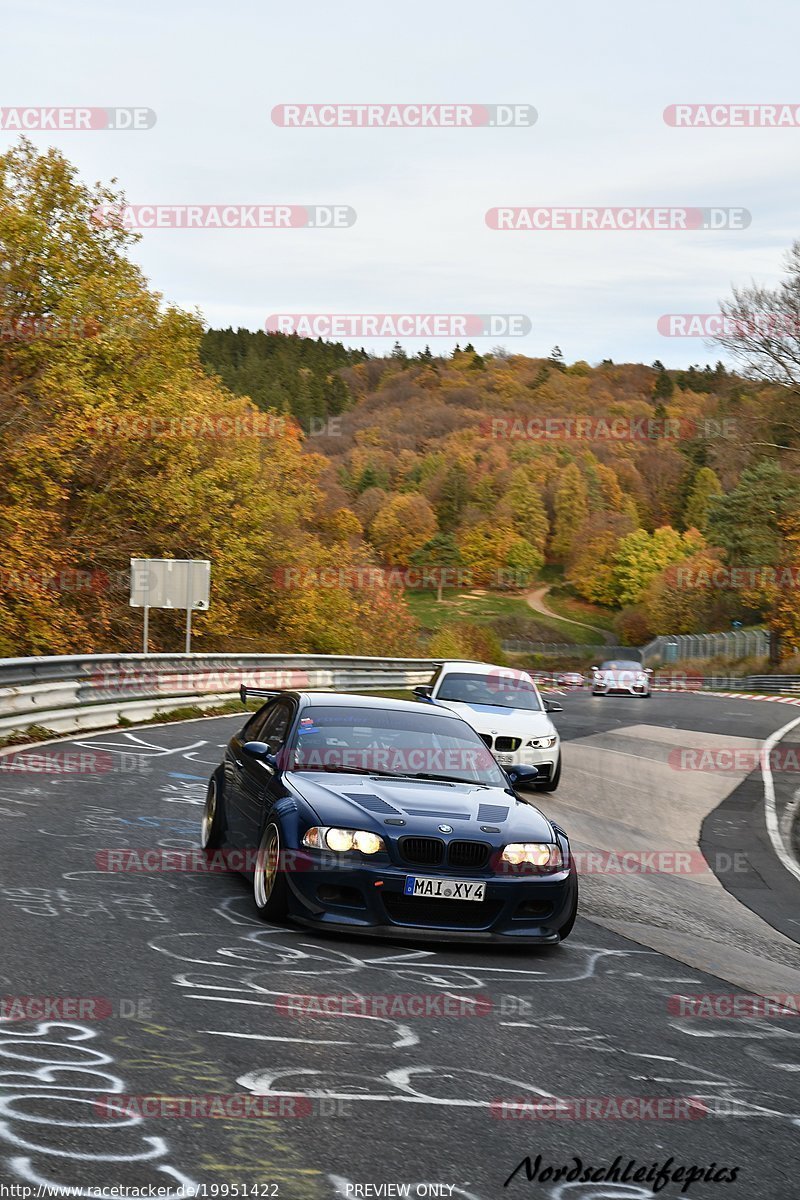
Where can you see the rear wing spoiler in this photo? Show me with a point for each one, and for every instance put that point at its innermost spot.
(245, 692)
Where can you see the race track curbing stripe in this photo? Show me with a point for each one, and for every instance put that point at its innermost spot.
(770, 808)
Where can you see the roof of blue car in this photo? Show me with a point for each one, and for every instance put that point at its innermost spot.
(349, 700)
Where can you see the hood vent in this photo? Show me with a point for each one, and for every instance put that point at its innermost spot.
(373, 804)
(492, 812)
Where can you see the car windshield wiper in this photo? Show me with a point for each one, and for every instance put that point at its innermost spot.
(489, 704)
(428, 777)
(375, 774)
(343, 770)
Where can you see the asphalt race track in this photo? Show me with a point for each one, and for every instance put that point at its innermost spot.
(190, 991)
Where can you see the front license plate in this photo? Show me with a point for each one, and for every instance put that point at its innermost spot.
(505, 759)
(444, 889)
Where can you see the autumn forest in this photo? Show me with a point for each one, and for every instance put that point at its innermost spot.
(328, 484)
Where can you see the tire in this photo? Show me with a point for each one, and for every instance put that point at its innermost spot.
(213, 821)
(553, 782)
(647, 695)
(270, 891)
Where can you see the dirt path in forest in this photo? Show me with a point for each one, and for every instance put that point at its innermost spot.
(535, 600)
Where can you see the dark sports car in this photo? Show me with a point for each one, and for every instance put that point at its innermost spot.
(388, 818)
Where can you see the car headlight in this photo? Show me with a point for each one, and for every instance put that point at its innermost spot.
(542, 855)
(543, 743)
(323, 837)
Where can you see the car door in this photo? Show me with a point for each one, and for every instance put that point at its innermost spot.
(258, 785)
(234, 772)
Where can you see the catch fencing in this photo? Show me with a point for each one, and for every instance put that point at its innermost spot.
(738, 643)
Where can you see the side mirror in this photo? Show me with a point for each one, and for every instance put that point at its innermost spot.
(261, 752)
(648, 670)
(423, 691)
(551, 706)
(520, 776)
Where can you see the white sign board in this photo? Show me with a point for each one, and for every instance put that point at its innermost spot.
(170, 583)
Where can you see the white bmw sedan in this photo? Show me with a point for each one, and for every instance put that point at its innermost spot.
(505, 707)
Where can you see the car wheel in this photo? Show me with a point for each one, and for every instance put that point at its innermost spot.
(646, 695)
(269, 880)
(213, 820)
(553, 782)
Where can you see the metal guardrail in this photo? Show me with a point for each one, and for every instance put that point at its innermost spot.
(764, 683)
(66, 693)
(686, 681)
(665, 680)
(69, 693)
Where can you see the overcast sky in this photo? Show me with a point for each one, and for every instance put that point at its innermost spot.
(599, 76)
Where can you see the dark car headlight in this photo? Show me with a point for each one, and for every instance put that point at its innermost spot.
(326, 837)
(544, 856)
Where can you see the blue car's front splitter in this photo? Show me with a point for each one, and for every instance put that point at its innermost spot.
(371, 902)
(419, 933)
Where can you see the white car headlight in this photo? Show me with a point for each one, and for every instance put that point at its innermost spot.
(543, 743)
(542, 855)
(323, 837)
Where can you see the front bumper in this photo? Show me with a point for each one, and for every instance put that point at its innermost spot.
(545, 761)
(368, 899)
(620, 689)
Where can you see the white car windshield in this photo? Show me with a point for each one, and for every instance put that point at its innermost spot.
(621, 666)
(503, 689)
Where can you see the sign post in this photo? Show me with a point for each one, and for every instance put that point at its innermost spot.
(189, 607)
(170, 583)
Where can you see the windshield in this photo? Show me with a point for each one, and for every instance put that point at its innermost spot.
(392, 742)
(502, 689)
(621, 666)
